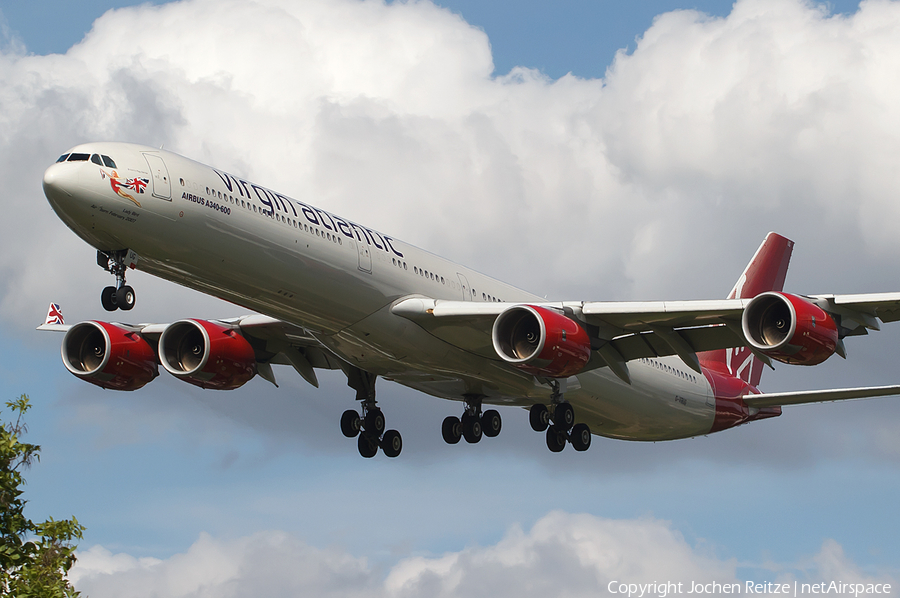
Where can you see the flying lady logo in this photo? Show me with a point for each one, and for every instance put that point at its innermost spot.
(120, 185)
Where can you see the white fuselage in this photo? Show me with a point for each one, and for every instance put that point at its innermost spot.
(230, 238)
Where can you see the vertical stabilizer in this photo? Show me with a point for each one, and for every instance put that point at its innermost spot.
(765, 272)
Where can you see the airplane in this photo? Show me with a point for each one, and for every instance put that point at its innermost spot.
(329, 293)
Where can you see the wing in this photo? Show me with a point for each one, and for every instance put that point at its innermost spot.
(623, 331)
(273, 341)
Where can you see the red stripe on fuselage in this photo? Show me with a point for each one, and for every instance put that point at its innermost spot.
(729, 391)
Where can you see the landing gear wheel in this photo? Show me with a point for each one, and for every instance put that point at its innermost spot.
(375, 422)
(350, 423)
(539, 417)
(556, 439)
(392, 443)
(368, 446)
(108, 299)
(491, 423)
(580, 437)
(125, 298)
(471, 426)
(451, 429)
(564, 416)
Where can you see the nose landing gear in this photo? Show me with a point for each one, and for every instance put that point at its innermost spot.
(120, 296)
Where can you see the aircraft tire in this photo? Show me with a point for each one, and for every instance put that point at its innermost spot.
(491, 423)
(580, 437)
(375, 422)
(108, 299)
(392, 443)
(539, 417)
(451, 429)
(556, 439)
(350, 423)
(471, 428)
(368, 446)
(125, 298)
(564, 416)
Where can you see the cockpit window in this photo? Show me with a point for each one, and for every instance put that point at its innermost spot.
(96, 160)
(63, 158)
(78, 157)
(108, 161)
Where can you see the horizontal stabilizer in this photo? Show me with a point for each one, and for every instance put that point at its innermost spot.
(819, 396)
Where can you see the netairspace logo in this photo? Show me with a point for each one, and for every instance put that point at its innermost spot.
(638, 590)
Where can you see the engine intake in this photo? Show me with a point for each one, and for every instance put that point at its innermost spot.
(789, 329)
(109, 356)
(541, 341)
(207, 354)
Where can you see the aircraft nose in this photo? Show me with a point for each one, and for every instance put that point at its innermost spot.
(58, 181)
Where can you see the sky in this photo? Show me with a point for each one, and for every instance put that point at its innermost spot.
(580, 150)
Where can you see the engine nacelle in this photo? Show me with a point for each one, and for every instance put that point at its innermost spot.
(207, 354)
(109, 356)
(541, 341)
(789, 329)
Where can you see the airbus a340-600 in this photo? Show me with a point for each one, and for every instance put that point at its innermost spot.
(331, 293)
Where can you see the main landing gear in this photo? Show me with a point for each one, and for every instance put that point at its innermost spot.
(560, 426)
(473, 424)
(120, 296)
(368, 425)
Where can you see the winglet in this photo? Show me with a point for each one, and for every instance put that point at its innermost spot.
(55, 321)
(54, 315)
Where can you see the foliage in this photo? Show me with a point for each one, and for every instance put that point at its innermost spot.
(34, 557)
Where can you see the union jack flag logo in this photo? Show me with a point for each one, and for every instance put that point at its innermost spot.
(54, 315)
(137, 184)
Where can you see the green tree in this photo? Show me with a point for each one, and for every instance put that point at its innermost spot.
(34, 557)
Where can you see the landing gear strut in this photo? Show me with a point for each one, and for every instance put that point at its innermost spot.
(120, 296)
(559, 424)
(369, 424)
(473, 424)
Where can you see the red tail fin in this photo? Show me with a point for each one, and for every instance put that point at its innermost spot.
(765, 272)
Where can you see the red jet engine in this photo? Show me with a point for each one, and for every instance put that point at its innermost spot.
(207, 354)
(789, 329)
(109, 356)
(541, 341)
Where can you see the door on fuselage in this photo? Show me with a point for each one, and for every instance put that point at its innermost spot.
(159, 175)
(464, 283)
(365, 256)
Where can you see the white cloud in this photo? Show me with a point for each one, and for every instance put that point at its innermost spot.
(562, 555)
